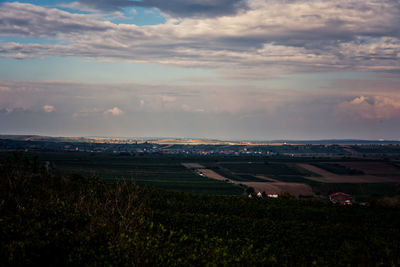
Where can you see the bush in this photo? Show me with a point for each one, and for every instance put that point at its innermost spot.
(58, 220)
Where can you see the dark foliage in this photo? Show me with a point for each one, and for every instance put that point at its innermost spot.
(50, 219)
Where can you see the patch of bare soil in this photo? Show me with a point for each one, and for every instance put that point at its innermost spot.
(212, 174)
(328, 177)
(274, 186)
(193, 165)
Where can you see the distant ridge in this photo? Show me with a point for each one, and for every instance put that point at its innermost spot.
(193, 141)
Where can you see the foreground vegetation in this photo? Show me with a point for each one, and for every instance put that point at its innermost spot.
(48, 218)
(166, 172)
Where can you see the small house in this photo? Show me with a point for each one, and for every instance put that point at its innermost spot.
(341, 198)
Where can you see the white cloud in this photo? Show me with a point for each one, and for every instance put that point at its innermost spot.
(271, 37)
(373, 107)
(49, 108)
(245, 110)
(115, 111)
(358, 100)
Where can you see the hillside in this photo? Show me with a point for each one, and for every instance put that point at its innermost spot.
(52, 219)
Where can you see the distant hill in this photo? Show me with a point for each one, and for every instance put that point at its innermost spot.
(190, 141)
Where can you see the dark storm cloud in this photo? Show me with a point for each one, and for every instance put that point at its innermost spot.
(177, 8)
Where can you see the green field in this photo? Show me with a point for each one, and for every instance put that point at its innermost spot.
(167, 172)
(292, 179)
(337, 168)
(157, 171)
(251, 178)
(266, 168)
(53, 219)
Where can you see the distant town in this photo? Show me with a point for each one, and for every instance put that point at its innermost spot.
(328, 148)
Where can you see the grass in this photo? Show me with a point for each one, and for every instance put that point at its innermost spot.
(251, 178)
(337, 168)
(166, 172)
(292, 179)
(160, 172)
(266, 168)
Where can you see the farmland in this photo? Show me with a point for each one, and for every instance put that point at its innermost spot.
(53, 219)
(363, 179)
(161, 172)
(337, 168)
(366, 178)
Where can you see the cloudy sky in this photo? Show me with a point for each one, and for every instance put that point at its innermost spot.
(225, 69)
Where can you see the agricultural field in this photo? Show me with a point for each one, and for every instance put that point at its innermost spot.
(53, 219)
(384, 169)
(156, 171)
(364, 179)
(337, 168)
(330, 177)
(224, 175)
(266, 168)
(282, 177)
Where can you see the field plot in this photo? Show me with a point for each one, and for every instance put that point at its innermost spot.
(374, 168)
(161, 172)
(212, 174)
(260, 183)
(261, 168)
(329, 177)
(338, 168)
(292, 179)
(294, 189)
(266, 179)
(251, 178)
(193, 165)
(228, 174)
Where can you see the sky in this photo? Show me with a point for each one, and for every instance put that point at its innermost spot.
(217, 69)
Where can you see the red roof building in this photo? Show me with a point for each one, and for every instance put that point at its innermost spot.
(341, 198)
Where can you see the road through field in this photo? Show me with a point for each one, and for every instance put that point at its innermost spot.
(212, 174)
(270, 185)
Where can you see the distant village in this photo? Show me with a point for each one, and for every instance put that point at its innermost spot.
(147, 147)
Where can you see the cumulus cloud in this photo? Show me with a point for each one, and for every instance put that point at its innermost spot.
(373, 107)
(115, 111)
(49, 108)
(246, 110)
(358, 100)
(271, 37)
(28, 20)
(179, 8)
